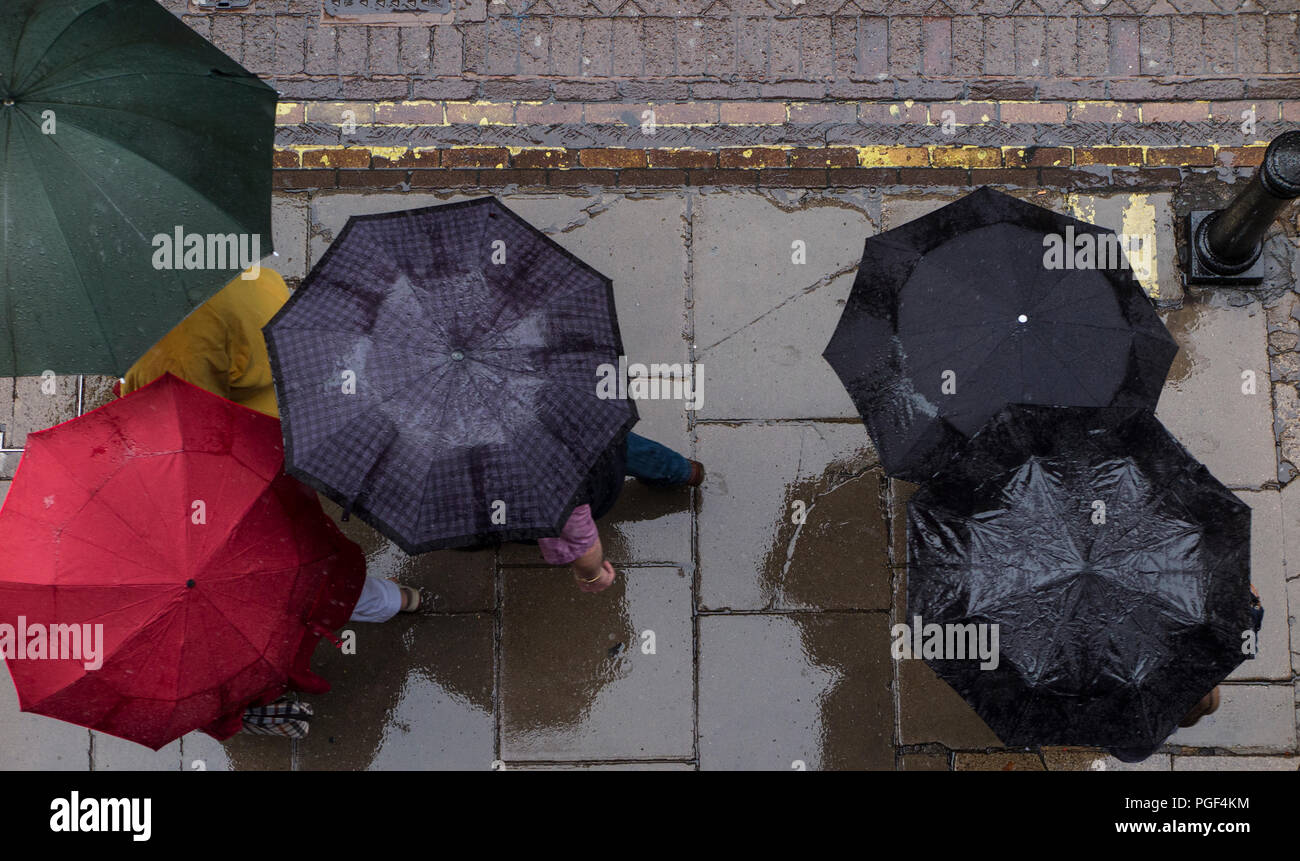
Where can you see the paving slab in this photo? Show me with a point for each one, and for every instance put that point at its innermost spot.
(925, 762)
(792, 691)
(109, 753)
(640, 243)
(1293, 605)
(1085, 759)
(931, 711)
(1203, 403)
(763, 320)
(761, 480)
(456, 581)
(593, 677)
(1148, 219)
(31, 742)
(417, 695)
(1005, 761)
(1251, 717)
(1237, 763)
(290, 216)
(202, 752)
(599, 766)
(1266, 572)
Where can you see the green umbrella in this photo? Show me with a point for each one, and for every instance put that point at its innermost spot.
(121, 132)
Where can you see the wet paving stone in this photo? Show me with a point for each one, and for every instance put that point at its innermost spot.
(931, 711)
(1203, 403)
(31, 742)
(1274, 658)
(792, 691)
(925, 762)
(456, 581)
(1251, 718)
(594, 677)
(242, 752)
(761, 319)
(761, 479)
(1008, 761)
(417, 695)
(109, 753)
(1089, 759)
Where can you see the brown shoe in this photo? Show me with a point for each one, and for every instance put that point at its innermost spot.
(1208, 705)
(697, 474)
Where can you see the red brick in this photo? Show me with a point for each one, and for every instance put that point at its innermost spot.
(612, 158)
(723, 177)
(937, 38)
(1033, 112)
(1115, 155)
(443, 178)
(543, 158)
(283, 158)
(513, 177)
(1173, 112)
(1021, 176)
(475, 114)
(487, 156)
(616, 113)
(1241, 156)
(969, 114)
(862, 177)
(812, 157)
(686, 113)
(573, 178)
(1104, 112)
(1125, 58)
(423, 157)
(811, 113)
(1180, 156)
(640, 177)
(933, 176)
(295, 179)
(752, 113)
(371, 178)
(695, 159)
(1036, 156)
(552, 114)
(410, 113)
(752, 157)
(1064, 177)
(892, 112)
(333, 158)
(780, 177)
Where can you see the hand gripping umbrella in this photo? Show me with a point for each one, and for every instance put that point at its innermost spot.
(960, 312)
(1115, 567)
(163, 528)
(121, 131)
(437, 374)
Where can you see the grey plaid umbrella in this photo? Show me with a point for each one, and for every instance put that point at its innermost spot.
(437, 374)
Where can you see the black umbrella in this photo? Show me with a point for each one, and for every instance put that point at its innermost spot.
(437, 374)
(1116, 568)
(957, 314)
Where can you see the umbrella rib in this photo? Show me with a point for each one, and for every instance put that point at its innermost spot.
(23, 35)
(80, 280)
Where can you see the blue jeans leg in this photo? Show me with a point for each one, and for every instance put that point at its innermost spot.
(656, 464)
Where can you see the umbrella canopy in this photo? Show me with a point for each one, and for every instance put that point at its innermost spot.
(1116, 568)
(437, 374)
(165, 518)
(120, 125)
(957, 314)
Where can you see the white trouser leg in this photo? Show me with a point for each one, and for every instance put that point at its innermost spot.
(380, 601)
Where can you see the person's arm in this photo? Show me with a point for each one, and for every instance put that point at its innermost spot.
(578, 545)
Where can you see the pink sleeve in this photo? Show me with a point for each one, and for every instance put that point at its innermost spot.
(577, 537)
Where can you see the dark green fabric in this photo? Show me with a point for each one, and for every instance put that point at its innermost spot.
(155, 128)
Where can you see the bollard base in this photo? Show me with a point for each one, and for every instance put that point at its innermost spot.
(1197, 272)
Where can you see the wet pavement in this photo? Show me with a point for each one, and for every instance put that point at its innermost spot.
(749, 628)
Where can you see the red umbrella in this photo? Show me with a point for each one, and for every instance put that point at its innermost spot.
(164, 524)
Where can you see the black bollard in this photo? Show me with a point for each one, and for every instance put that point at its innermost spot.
(1224, 245)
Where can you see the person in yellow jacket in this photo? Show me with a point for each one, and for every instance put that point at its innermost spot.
(220, 348)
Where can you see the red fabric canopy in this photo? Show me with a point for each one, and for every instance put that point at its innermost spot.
(166, 517)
